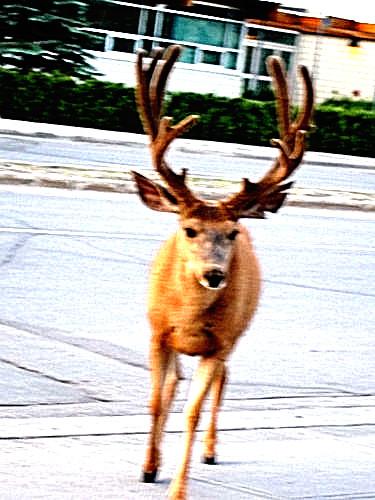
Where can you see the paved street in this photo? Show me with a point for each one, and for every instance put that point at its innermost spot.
(41, 154)
(298, 419)
(211, 160)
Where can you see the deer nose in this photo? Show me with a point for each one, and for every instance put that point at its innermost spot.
(214, 278)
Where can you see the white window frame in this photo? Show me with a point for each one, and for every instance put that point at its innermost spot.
(258, 45)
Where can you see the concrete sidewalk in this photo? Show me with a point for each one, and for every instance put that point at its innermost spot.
(35, 129)
(75, 424)
(116, 178)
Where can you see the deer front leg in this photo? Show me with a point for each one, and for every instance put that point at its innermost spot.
(169, 389)
(202, 380)
(217, 391)
(159, 360)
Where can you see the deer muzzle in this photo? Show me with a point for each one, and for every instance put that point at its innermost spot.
(214, 279)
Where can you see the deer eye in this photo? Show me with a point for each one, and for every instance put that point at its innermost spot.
(190, 232)
(233, 234)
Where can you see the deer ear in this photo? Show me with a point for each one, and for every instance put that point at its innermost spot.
(270, 203)
(155, 196)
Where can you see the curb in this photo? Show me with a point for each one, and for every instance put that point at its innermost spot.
(113, 178)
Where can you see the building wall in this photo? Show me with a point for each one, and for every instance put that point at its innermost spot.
(338, 70)
(226, 57)
(223, 56)
(201, 78)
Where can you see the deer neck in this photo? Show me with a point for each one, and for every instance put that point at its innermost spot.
(193, 295)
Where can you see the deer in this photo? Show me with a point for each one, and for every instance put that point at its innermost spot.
(205, 281)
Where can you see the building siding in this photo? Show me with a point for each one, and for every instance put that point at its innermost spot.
(338, 70)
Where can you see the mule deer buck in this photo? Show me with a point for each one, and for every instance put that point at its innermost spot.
(205, 281)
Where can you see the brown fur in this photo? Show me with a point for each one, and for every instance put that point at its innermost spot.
(192, 319)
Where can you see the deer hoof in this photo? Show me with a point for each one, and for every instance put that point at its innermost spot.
(149, 477)
(209, 460)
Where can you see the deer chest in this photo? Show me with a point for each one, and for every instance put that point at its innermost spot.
(195, 339)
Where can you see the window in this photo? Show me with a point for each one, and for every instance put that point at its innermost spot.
(257, 89)
(287, 56)
(188, 29)
(123, 45)
(232, 35)
(150, 17)
(264, 91)
(264, 53)
(230, 60)
(188, 55)
(271, 36)
(147, 45)
(249, 59)
(203, 31)
(210, 57)
(278, 37)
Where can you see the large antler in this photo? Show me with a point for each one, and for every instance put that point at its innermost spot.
(151, 83)
(269, 193)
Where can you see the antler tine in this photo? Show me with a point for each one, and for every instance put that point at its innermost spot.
(269, 193)
(143, 76)
(292, 142)
(151, 84)
(159, 78)
(276, 70)
(302, 121)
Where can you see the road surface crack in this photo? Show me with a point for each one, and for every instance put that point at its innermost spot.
(14, 249)
(37, 372)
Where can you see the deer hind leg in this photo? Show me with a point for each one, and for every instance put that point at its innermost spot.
(164, 374)
(201, 383)
(217, 391)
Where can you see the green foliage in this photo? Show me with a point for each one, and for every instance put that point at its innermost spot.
(344, 131)
(45, 35)
(347, 103)
(226, 120)
(60, 99)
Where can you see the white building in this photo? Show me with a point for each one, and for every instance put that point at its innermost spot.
(225, 52)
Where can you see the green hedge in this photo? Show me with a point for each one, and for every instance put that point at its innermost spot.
(349, 131)
(59, 99)
(227, 120)
(341, 126)
(349, 104)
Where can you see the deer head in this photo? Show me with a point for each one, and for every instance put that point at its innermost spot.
(208, 230)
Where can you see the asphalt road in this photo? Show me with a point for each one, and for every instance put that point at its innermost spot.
(74, 266)
(218, 165)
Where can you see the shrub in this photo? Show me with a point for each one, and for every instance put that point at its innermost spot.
(344, 131)
(342, 126)
(63, 100)
(347, 103)
(227, 120)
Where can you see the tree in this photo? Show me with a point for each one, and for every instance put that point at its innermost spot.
(45, 35)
